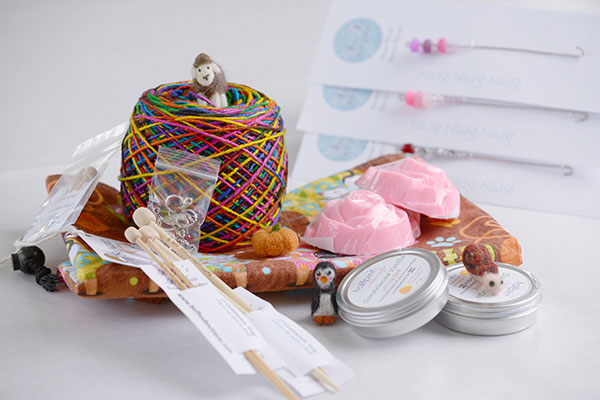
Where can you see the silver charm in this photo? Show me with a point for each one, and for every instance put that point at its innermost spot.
(177, 217)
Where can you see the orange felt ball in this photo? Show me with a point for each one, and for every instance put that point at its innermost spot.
(275, 243)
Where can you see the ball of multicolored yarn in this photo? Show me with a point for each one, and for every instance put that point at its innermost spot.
(247, 137)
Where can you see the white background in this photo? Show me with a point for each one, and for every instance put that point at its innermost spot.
(72, 69)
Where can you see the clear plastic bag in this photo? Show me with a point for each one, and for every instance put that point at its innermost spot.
(180, 193)
(73, 189)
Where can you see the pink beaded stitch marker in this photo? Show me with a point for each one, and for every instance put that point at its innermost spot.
(443, 46)
(429, 100)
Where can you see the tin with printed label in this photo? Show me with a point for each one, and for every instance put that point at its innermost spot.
(471, 309)
(393, 293)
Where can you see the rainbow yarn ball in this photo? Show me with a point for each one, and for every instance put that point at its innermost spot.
(247, 137)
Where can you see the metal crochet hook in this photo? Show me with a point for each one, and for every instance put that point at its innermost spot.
(429, 100)
(443, 46)
(465, 155)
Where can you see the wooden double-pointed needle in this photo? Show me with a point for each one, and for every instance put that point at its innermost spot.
(134, 236)
(143, 217)
(146, 239)
(151, 238)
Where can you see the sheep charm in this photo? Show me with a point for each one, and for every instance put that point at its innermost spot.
(209, 81)
(478, 262)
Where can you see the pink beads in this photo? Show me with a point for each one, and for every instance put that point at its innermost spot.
(442, 45)
(427, 100)
(419, 99)
(414, 45)
(428, 46)
(409, 98)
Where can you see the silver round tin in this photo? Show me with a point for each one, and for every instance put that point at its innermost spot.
(470, 309)
(393, 293)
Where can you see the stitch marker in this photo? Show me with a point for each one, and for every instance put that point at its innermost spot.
(439, 152)
(430, 100)
(443, 46)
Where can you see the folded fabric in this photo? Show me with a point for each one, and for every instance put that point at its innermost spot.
(93, 278)
(414, 185)
(361, 223)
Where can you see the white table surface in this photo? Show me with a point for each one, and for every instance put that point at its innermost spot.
(70, 70)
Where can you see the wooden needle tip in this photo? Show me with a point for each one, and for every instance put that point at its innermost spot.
(132, 234)
(320, 375)
(143, 216)
(148, 233)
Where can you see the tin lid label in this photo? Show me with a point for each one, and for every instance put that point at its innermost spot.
(389, 281)
(462, 286)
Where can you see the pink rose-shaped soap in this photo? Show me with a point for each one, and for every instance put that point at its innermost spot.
(361, 223)
(414, 185)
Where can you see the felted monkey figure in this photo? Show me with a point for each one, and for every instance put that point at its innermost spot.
(478, 262)
(324, 305)
(209, 81)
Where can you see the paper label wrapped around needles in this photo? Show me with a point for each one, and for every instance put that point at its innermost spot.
(77, 183)
(285, 347)
(220, 322)
(300, 351)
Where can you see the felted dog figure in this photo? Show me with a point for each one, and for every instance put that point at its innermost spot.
(209, 81)
(324, 305)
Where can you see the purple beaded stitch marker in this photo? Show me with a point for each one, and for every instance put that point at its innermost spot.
(443, 46)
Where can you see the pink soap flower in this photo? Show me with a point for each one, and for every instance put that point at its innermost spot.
(414, 185)
(362, 223)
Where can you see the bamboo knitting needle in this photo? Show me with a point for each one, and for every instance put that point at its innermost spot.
(143, 217)
(134, 236)
(151, 238)
(146, 240)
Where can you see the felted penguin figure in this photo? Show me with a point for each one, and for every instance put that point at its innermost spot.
(324, 305)
(478, 262)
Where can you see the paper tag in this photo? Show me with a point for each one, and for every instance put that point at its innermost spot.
(191, 272)
(207, 308)
(291, 351)
(366, 48)
(224, 305)
(490, 130)
(298, 348)
(306, 385)
(225, 327)
(116, 251)
(194, 303)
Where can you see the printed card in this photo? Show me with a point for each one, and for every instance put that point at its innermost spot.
(364, 45)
